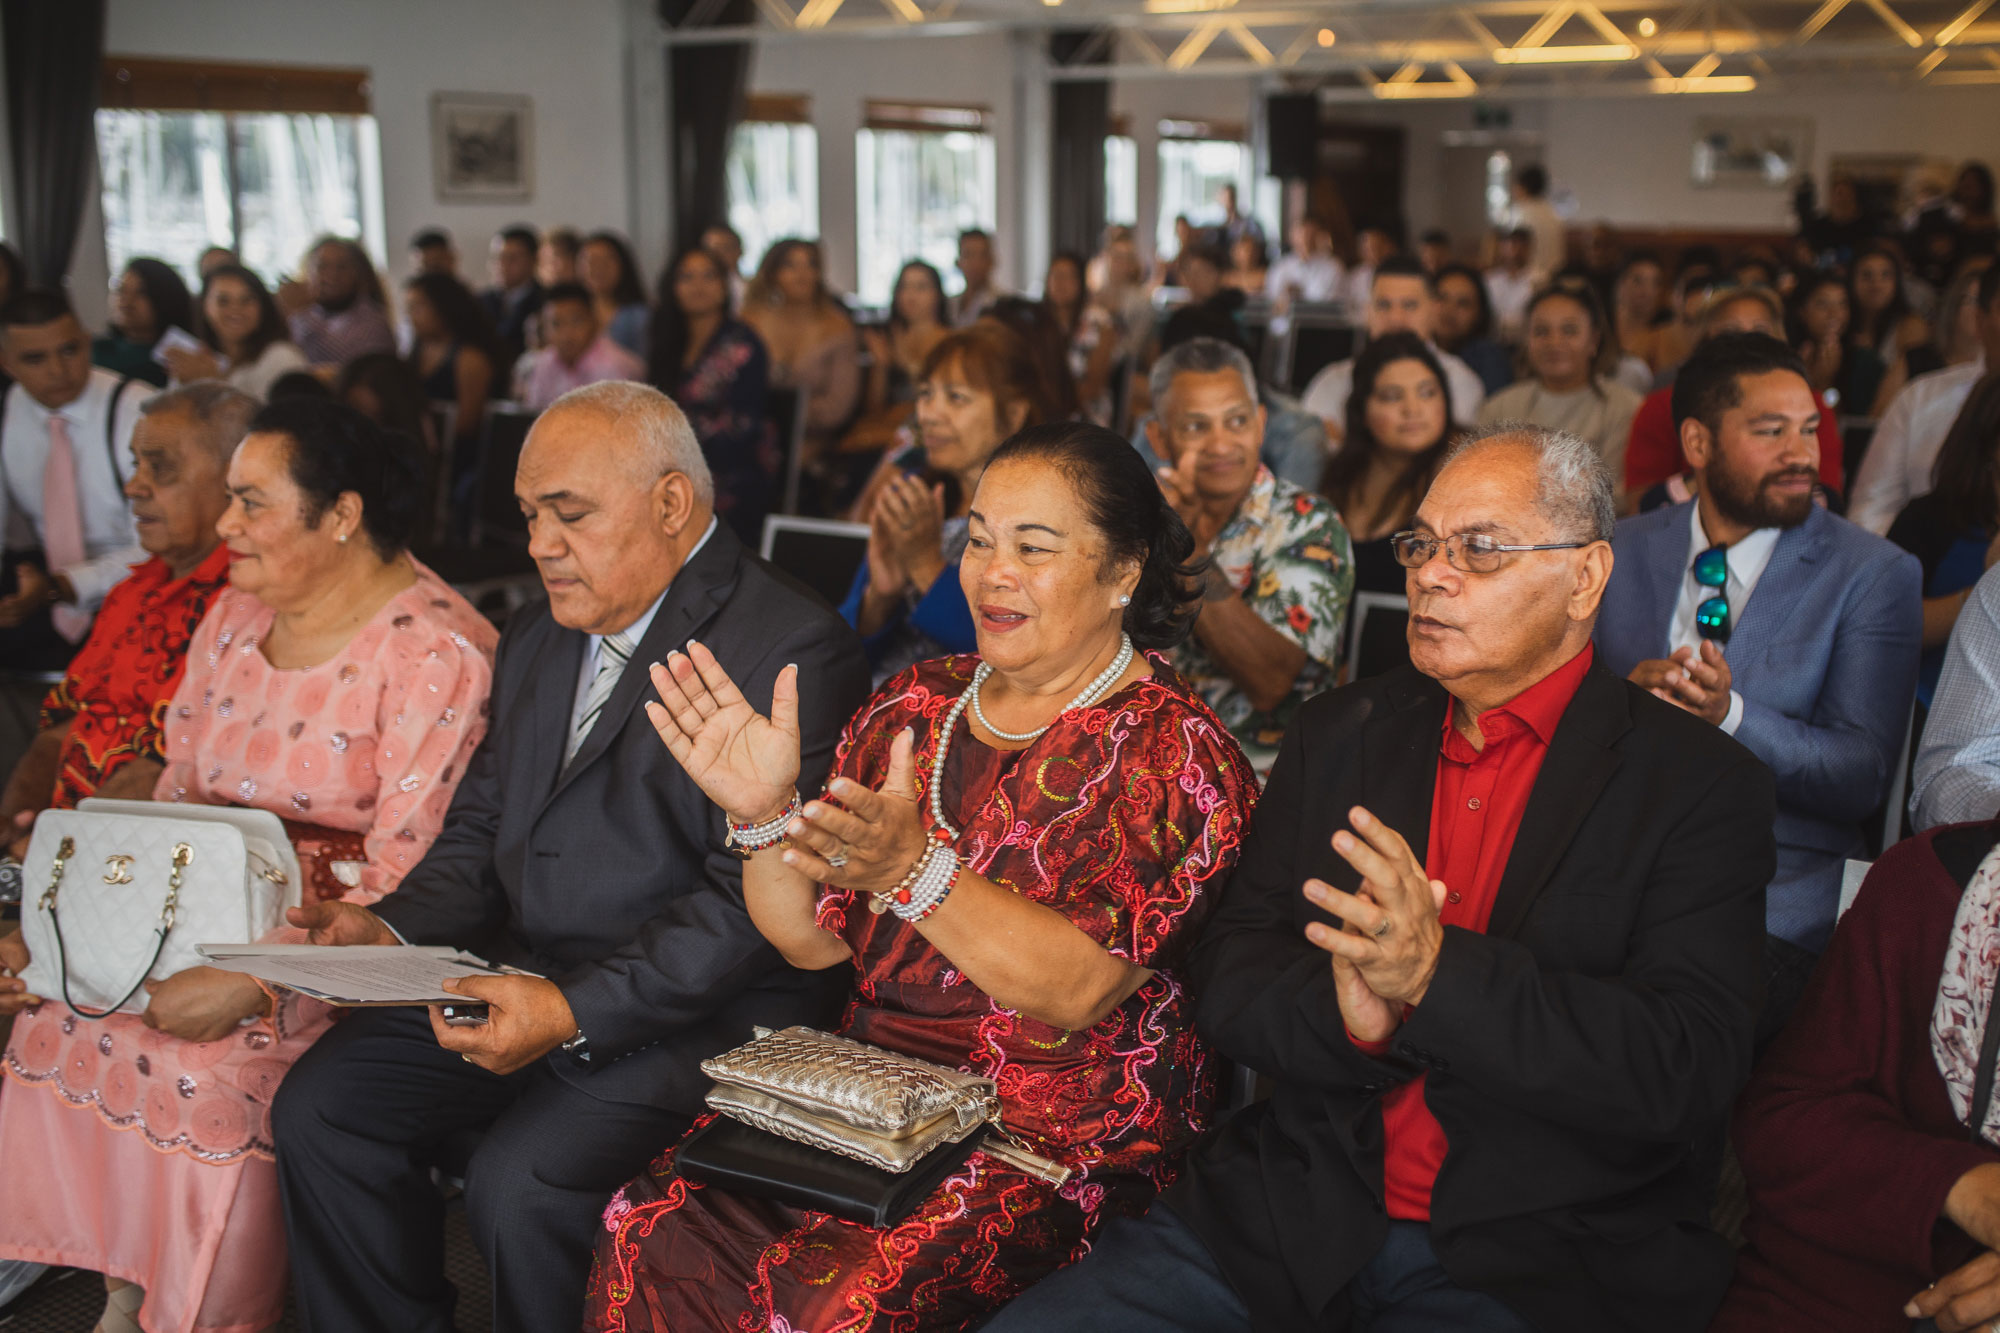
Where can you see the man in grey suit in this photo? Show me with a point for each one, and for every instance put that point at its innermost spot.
(1791, 629)
(578, 851)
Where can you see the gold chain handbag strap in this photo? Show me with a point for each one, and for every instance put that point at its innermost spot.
(183, 857)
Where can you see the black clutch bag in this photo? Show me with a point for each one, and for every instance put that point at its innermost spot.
(730, 1155)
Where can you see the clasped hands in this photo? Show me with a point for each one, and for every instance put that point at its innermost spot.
(905, 536)
(1385, 949)
(526, 1017)
(1697, 682)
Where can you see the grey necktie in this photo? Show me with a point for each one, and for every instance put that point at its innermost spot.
(612, 654)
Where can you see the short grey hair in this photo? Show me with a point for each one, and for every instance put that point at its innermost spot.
(1198, 356)
(221, 410)
(1572, 488)
(666, 441)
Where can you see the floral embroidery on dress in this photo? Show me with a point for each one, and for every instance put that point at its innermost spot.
(1124, 818)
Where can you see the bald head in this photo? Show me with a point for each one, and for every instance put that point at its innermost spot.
(616, 495)
(644, 426)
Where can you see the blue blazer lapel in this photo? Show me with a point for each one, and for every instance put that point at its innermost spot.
(1663, 560)
(1780, 593)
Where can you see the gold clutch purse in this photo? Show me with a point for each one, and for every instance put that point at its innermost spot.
(887, 1110)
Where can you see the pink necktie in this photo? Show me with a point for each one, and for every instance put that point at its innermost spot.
(62, 522)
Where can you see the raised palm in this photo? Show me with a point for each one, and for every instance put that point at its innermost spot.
(743, 761)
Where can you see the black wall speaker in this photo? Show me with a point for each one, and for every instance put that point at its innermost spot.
(1291, 122)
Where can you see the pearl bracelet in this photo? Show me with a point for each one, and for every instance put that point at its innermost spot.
(933, 885)
(745, 839)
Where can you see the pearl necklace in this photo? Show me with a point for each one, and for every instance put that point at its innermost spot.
(1090, 695)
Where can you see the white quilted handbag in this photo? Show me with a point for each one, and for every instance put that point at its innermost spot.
(117, 892)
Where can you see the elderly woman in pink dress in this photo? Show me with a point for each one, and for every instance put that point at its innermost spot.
(340, 684)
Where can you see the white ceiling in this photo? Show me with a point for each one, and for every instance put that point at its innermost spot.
(1391, 49)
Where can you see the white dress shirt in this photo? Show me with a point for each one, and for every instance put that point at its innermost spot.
(1897, 467)
(1509, 294)
(1957, 776)
(110, 541)
(1326, 397)
(1748, 560)
(593, 647)
(1551, 243)
(1297, 277)
(255, 378)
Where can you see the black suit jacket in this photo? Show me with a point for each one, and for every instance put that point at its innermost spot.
(609, 875)
(510, 328)
(1580, 1055)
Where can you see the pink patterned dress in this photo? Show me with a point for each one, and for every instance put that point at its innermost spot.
(130, 1152)
(1125, 817)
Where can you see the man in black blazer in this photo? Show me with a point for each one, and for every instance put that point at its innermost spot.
(577, 850)
(1499, 1090)
(515, 298)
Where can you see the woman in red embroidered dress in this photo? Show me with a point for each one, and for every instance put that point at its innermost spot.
(1092, 801)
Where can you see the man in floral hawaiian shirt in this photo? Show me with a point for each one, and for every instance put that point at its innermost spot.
(1274, 604)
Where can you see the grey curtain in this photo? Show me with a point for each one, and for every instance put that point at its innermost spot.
(709, 83)
(1082, 113)
(55, 57)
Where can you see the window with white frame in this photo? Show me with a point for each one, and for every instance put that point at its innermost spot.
(773, 176)
(922, 175)
(1121, 180)
(1196, 161)
(262, 182)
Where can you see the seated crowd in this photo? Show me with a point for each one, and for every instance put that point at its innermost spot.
(1528, 934)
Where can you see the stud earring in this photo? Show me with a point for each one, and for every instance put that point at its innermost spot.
(342, 539)
(1125, 599)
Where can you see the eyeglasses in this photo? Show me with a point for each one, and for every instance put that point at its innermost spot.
(1466, 552)
(1711, 570)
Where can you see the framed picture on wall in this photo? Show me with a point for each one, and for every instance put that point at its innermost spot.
(1767, 152)
(482, 146)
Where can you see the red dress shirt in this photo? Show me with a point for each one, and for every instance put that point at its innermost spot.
(120, 682)
(1653, 452)
(1476, 810)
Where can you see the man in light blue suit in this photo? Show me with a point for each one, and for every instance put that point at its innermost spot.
(1791, 629)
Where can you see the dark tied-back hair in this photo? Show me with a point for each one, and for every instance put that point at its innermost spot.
(1872, 329)
(630, 289)
(667, 334)
(334, 449)
(271, 326)
(1359, 447)
(1967, 476)
(1709, 382)
(1036, 324)
(401, 406)
(1482, 325)
(300, 384)
(173, 308)
(464, 318)
(1579, 293)
(35, 306)
(1123, 502)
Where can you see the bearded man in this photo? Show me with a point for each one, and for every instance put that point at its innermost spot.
(1791, 629)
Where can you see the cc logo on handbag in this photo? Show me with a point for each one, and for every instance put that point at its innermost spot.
(121, 868)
